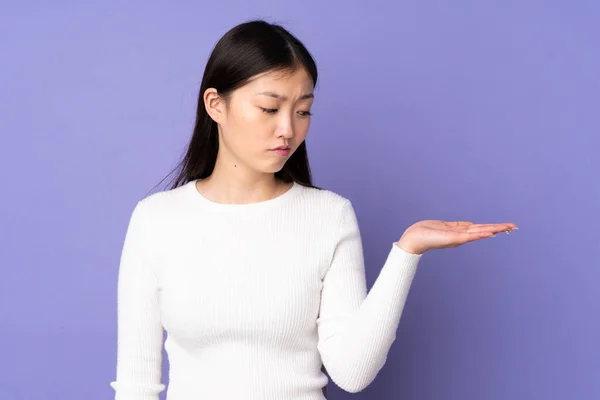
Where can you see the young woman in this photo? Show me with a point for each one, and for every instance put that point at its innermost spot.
(256, 275)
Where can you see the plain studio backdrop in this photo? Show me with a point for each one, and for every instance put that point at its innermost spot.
(486, 111)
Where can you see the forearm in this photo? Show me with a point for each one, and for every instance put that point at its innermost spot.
(356, 349)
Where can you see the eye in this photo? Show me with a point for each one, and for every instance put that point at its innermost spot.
(269, 110)
(305, 113)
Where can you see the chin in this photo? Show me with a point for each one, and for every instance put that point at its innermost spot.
(273, 168)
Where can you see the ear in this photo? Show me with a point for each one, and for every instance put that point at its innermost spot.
(214, 104)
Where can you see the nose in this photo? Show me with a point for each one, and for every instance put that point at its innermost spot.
(285, 128)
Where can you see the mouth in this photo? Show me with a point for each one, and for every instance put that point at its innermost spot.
(281, 151)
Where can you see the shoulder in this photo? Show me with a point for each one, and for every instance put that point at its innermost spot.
(164, 203)
(330, 202)
(330, 215)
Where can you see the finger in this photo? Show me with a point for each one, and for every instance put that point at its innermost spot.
(483, 234)
(491, 227)
(510, 224)
(495, 228)
(469, 237)
(459, 224)
(466, 237)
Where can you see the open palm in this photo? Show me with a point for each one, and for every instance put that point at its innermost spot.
(436, 234)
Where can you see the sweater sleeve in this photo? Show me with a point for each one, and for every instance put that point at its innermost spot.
(140, 332)
(356, 330)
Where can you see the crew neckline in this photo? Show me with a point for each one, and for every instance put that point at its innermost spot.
(237, 206)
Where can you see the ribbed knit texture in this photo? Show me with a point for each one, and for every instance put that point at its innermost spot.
(255, 298)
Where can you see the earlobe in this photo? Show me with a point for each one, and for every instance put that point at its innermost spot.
(213, 104)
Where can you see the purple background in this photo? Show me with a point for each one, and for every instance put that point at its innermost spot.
(463, 110)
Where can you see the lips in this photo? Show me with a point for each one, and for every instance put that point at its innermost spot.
(282, 151)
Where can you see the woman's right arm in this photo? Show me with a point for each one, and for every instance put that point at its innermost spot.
(140, 331)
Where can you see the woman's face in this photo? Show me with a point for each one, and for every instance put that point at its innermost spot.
(271, 110)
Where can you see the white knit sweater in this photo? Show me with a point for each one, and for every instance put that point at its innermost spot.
(254, 298)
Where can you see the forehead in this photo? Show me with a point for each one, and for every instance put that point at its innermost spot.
(292, 82)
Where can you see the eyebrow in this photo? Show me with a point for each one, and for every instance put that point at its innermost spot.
(282, 97)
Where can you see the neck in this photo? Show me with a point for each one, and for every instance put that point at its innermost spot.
(231, 183)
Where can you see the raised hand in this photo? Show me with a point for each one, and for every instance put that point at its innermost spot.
(436, 234)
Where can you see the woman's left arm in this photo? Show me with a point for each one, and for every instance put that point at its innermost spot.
(356, 329)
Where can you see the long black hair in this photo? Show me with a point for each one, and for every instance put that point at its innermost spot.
(246, 50)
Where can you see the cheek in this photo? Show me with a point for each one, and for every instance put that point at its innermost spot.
(249, 129)
(241, 121)
(301, 128)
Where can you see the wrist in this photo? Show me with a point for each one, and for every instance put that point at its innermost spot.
(408, 247)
